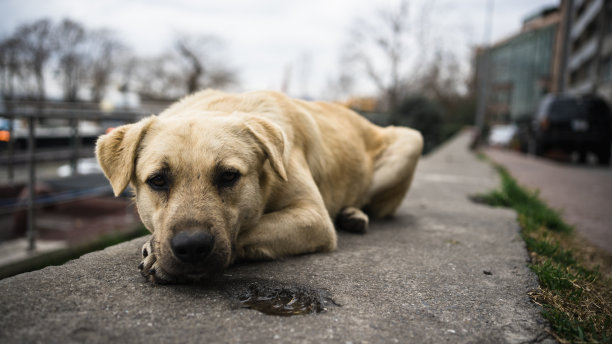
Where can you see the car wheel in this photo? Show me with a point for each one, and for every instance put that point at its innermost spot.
(536, 148)
(603, 156)
(582, 156)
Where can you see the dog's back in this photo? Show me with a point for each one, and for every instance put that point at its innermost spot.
(220, 177)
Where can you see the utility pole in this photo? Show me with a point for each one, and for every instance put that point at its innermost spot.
(483, 65)
(568, 6)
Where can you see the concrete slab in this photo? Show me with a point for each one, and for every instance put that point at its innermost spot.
(443, 270)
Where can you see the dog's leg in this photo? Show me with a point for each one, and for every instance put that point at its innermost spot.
(393, 171)
(300, 225)
(352, 220)
(301, 228)
(149, 267)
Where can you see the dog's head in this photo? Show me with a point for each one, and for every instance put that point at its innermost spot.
(197, 180)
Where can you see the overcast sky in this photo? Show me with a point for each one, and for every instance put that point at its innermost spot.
(265, 37)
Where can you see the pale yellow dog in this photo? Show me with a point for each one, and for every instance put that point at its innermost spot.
(219, 177)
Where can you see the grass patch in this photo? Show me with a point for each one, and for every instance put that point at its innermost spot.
(575, 295)
(526, 203)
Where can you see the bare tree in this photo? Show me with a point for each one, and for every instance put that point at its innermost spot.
(221, 78)
(202, 66)
(159, 77)
(441, 78)
(37, 48)
(11, 67)
(126, 66)
(70, 38)
(83, 58)
(191, 51)
(193, 63)
(379, 47)
(102, 55)
(392, 48)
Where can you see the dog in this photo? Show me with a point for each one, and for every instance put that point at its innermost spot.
(221, 177)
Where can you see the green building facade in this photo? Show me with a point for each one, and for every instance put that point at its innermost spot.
(520, 74)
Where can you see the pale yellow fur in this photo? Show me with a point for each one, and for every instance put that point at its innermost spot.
(301, 164)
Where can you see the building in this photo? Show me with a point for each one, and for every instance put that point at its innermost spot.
(589, 47)
(519, 69)
(558, 50)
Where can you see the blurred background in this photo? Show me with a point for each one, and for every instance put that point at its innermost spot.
(530, 75)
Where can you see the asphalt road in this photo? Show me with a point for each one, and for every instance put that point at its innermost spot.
(443, 270)
(583, 193)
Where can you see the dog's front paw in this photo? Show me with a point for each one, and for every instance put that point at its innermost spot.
(255, 253)
(352, 220)
(150, 269)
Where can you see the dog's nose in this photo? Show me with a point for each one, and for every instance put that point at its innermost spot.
(192, 248)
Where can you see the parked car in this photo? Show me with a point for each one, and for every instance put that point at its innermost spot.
(570, 123)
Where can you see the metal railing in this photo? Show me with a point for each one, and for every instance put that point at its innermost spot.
(33, 115)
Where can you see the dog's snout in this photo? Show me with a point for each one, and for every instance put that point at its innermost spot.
(192, 248)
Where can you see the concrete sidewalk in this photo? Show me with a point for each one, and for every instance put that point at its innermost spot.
(580, 192)
(444, 270)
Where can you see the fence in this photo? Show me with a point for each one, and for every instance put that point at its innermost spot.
(34, 114)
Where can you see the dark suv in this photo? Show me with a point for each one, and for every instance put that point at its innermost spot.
(570, 123)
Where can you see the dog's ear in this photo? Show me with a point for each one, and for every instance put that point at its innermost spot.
(116, 152)
(272, 140)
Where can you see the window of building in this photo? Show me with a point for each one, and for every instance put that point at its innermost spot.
(608, 15)
(606, 69)
(580, 10)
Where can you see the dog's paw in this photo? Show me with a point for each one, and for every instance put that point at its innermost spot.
(150, 269)
(352, 220)
(255, 253)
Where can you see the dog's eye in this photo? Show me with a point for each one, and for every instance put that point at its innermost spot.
(158, 182)
(228, 178)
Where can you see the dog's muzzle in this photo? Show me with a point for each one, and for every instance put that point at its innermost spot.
(192, 248)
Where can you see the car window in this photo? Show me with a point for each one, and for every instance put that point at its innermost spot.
(564, 109)
(597, 109)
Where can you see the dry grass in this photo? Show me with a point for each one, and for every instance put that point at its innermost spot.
(575, 287)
